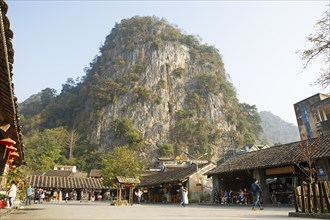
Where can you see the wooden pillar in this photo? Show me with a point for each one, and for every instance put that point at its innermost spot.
(130, 196)
(309, 205)
(296, 198)
(119, 196)
(303, 198)
(326, 191)
(216, 183)
(314, 191)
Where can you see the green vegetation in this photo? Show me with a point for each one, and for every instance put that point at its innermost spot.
(121, 162)
(143, 94)
(178, 72)
(190, 133)
(45, 149)
(161, 84)
(167, 149)
(124, 131)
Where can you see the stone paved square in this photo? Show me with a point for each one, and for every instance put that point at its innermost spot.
(102, 210)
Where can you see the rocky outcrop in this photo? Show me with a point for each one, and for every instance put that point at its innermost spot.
(167, 74)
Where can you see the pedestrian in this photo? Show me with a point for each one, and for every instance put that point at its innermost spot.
(66, 197)
(215, 197)
(184, 196)
(139, 195)
(29, 192)
(256, 190)
(12, 193)
(60, 196)
(81, 195)
(42, 196)
(225, 197)
(55, 195)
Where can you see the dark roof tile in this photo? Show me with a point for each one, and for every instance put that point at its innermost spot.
(286, 154)
(172, 175)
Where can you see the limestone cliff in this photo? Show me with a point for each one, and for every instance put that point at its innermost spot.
(157, 72)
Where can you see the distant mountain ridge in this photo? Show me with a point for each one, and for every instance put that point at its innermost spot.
(276, 130)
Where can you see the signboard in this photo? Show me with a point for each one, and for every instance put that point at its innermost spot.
(280, 170)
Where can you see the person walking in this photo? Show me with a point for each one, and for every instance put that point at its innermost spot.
(139, 195)
(12, 193)
(29, 192)
(184, 196)
(66, 197)
(256, 190)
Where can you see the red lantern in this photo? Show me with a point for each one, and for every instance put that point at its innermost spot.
(7, 142)
(13, 155)
(11, 148)
(12, 167)
(9, 161)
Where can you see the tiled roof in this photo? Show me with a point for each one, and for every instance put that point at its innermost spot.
(149, 172)
(65, 182)
(127, 180)
(8, 102)
(59, 173)
(173, 175)
(79, 174)
(95, 173)
(286, 154)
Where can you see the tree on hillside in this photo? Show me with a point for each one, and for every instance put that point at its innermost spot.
(44, 149)
(72, 137)
(47, 96)
(320, 48)
(248, 124)
(121, 162)
(124, 131)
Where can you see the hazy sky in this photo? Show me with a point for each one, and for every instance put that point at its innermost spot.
(258, 40)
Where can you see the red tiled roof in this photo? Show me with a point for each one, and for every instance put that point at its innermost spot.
(286, 154)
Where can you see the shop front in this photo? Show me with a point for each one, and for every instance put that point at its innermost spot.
(280, 182)
(279, 169)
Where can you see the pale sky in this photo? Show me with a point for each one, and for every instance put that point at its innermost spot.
(258, 40)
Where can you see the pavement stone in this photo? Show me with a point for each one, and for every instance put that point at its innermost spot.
(102, 210)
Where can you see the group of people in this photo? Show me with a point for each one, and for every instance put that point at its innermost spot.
(242, 197)
(57, 195)
(182, 192)
(227, 197)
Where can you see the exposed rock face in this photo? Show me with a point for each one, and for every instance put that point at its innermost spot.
(169, 75)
